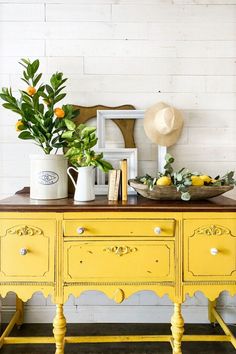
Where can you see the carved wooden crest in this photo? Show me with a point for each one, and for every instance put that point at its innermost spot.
(212, 230)
(24, 230)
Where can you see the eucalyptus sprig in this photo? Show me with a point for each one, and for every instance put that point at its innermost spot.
(39, 119)
(79, 140)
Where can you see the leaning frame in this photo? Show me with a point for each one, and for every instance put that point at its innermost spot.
(103, 115)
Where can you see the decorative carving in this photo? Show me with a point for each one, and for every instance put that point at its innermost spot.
(118, 296)
(120, 250)
(27, 283)
(223, 282)
(161, 283)
(212, 230)
(25, 230)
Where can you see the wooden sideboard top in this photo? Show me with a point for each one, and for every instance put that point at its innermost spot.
(21, 202)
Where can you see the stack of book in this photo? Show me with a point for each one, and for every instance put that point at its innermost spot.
(118, 182)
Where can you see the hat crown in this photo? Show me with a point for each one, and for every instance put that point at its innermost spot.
(163, 124)
(165, 121)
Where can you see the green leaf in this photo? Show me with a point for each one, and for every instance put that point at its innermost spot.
(185, 196)
(25, 135)
(26, 98)
(48, 122)
(57, 145)
(69, 124)
(59, 97)
(68, 135)
(56, 80)
(41, 108)
(59, 90)
(36, 80)
(26, 77)
(11, 107)
(72, 151)
(179, 177)
(29, 71)
(35, 66)
(169, 158)
(49, 90)
(26, 61)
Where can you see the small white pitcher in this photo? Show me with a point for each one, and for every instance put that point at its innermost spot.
(84, 188)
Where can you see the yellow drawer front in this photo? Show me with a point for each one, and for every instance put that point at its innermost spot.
(119, 261)
(210, 249)
(119, 227)
(27, 250)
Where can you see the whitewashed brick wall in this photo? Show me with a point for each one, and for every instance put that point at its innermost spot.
(128, 51)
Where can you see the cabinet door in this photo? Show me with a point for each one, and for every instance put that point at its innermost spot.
(27, 250)
(210, 249)
(118, 260)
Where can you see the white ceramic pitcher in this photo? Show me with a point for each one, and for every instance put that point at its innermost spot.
(84, 188)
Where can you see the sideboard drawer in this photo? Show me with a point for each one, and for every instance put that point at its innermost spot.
(27, 250)
(119, 227)
(116, 260)
(210, 249)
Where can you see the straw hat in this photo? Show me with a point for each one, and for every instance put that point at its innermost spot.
(163, 124)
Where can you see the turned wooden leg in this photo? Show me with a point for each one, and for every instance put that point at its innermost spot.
(211, 317)
(59, 329)
(20, 308)
(177, 329)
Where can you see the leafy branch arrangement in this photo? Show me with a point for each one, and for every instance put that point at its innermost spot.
(39, 119)
(80, 140)
(183, 179)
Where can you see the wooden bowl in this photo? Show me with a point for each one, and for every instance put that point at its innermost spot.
(170, 192)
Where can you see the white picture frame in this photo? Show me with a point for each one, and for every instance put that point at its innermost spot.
(103, 115)
(114, 156)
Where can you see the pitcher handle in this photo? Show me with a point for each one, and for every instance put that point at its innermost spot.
(71, 177)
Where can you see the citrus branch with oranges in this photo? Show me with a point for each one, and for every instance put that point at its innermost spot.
(41, 119)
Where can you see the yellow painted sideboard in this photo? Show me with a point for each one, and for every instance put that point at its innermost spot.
(61, 248)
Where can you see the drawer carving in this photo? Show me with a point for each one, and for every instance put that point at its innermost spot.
(122, 227)
(20, 230)
(137, 261)
(212, 230)
(120, 250)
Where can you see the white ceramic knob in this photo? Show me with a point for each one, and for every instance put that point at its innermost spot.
(157, 230)
(214, 251)
(80, 230)
(23, 251)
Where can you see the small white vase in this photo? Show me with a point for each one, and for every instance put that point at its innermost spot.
(48, 177)
(84, 188)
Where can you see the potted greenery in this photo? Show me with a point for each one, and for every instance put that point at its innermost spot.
(80, 141)
(43, 121)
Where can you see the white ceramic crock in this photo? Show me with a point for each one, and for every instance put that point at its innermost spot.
(48, 177)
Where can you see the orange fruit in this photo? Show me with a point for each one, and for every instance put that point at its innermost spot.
(59, 113)
(31, 90)
(19, 123)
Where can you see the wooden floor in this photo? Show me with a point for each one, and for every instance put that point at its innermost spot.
(119, 348)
